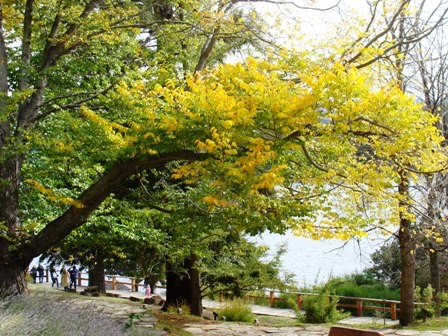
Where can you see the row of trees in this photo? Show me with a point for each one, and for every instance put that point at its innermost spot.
(123, 131)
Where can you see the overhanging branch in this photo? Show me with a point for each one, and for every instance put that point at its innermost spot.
(91, 198)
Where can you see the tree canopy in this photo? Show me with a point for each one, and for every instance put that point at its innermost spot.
(100, 91)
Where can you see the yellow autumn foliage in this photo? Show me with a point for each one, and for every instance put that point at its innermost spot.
(52, 196)
(331, 125)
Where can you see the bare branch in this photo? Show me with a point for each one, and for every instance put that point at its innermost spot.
(386, 30)
(76, 104)
(292, 3)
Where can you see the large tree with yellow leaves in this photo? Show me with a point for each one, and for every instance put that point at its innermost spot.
(278, 136)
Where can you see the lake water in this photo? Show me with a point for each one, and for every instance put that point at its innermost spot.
(315, 261)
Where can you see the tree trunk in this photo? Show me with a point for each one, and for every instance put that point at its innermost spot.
(184, 288)
(13, 268)
(407, 275)
(193, 284)
(175, 292)
(434, 271)
(96, 274)
(13, 280)
(407, 253)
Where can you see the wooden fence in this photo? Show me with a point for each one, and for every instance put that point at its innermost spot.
(358, 304)
(114, 281)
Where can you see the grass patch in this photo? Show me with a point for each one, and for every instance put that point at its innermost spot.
(173, 324)
(434, 323)
(276, 321)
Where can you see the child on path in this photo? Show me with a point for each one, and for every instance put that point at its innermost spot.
(147, 285)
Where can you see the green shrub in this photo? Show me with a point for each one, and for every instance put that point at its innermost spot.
(425, 296)
(237, 311)
(443, 302)
(321, 308)
(358, 285)
(289, 302)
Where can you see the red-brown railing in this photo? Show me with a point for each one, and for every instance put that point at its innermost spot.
(359, 304)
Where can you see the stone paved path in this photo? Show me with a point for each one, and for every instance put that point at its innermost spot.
(234, 329)
(120, 311)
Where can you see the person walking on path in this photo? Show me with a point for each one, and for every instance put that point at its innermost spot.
(64, 278)
(33, 273)
(40, 271)
(73, 276)
(54, 277)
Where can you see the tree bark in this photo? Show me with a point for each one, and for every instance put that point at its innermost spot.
(407, 253)
(96, 274)
(184, 289)
(175, 292)
(194, 286)
(13, 279)
(434, 273)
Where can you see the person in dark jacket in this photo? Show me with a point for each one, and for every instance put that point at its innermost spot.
(54, 277)
(73, 271)
(33, 273)
(40, 271)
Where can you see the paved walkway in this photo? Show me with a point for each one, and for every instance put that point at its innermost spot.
(121, 312)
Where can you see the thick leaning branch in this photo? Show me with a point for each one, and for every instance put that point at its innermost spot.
(91, 198)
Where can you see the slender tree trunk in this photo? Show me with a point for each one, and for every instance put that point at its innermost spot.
(434, 267)
(434, 273)
(407, 253)
(96, 273)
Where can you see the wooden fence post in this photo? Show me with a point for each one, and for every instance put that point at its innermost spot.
(132, 284)
(359, 307)
(299, 301)
(393, 311)
(79, 278)
(114, 282)
(271, 299)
